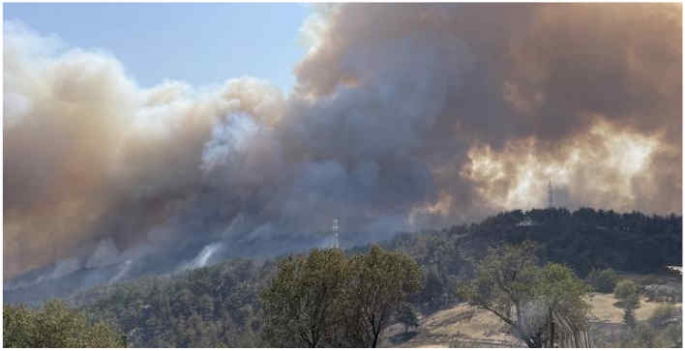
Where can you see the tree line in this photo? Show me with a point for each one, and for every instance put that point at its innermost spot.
(583, 240)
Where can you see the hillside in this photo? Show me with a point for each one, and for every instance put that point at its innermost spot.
(583, 240)
(211, 306)
(218, 305)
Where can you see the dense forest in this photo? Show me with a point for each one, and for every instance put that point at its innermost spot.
(211, 306)
(220, 305)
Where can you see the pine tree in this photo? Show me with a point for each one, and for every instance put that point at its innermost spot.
(630, 304)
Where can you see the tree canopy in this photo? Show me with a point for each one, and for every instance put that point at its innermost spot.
(379, 282)
(625, 288)
(324, 299)
(603, 280)
(300, 304)
(57, 326)
(529, 298)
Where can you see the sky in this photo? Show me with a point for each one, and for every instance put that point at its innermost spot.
(200, 44)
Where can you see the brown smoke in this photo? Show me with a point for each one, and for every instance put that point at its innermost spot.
(404, 115)
(549, 74)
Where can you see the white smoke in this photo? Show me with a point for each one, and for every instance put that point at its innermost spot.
(125, 268)
(106, 253)
(202, 259)
(65, 267)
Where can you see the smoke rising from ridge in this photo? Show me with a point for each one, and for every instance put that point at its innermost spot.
(403, 116)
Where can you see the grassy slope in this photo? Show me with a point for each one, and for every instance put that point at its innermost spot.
(465, 326)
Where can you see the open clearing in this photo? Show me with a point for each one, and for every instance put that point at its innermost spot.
(465, 326)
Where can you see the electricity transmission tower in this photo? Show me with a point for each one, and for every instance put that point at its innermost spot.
(336, 234)
(550, 199)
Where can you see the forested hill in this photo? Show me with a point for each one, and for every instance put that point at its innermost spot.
(219, 305)
(215, 306)
(583, 239)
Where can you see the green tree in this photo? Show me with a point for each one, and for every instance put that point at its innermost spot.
(625, 288)
(561, 291)
(630, 304)
(55, 325)
(379, 283)
(300, 304)
(603, 281)
(627, 293)
(434, 289)
(324, 299)
(407, 316)
(18, 328)
(510, 284)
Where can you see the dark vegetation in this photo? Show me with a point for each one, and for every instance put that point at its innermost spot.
(207, 307)
(603, 281)
(220, 305)
(55, 325)
(583, 240)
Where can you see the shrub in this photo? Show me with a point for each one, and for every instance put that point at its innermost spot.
(603, 281)
(624, 289)
(662, 314)
(407, 316)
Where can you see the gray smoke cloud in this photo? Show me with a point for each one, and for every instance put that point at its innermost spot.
(403, 116)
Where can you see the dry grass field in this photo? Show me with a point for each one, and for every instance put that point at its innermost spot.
(465, 326)
(604, 308)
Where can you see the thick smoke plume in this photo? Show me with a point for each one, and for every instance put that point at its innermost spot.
(403, 116)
